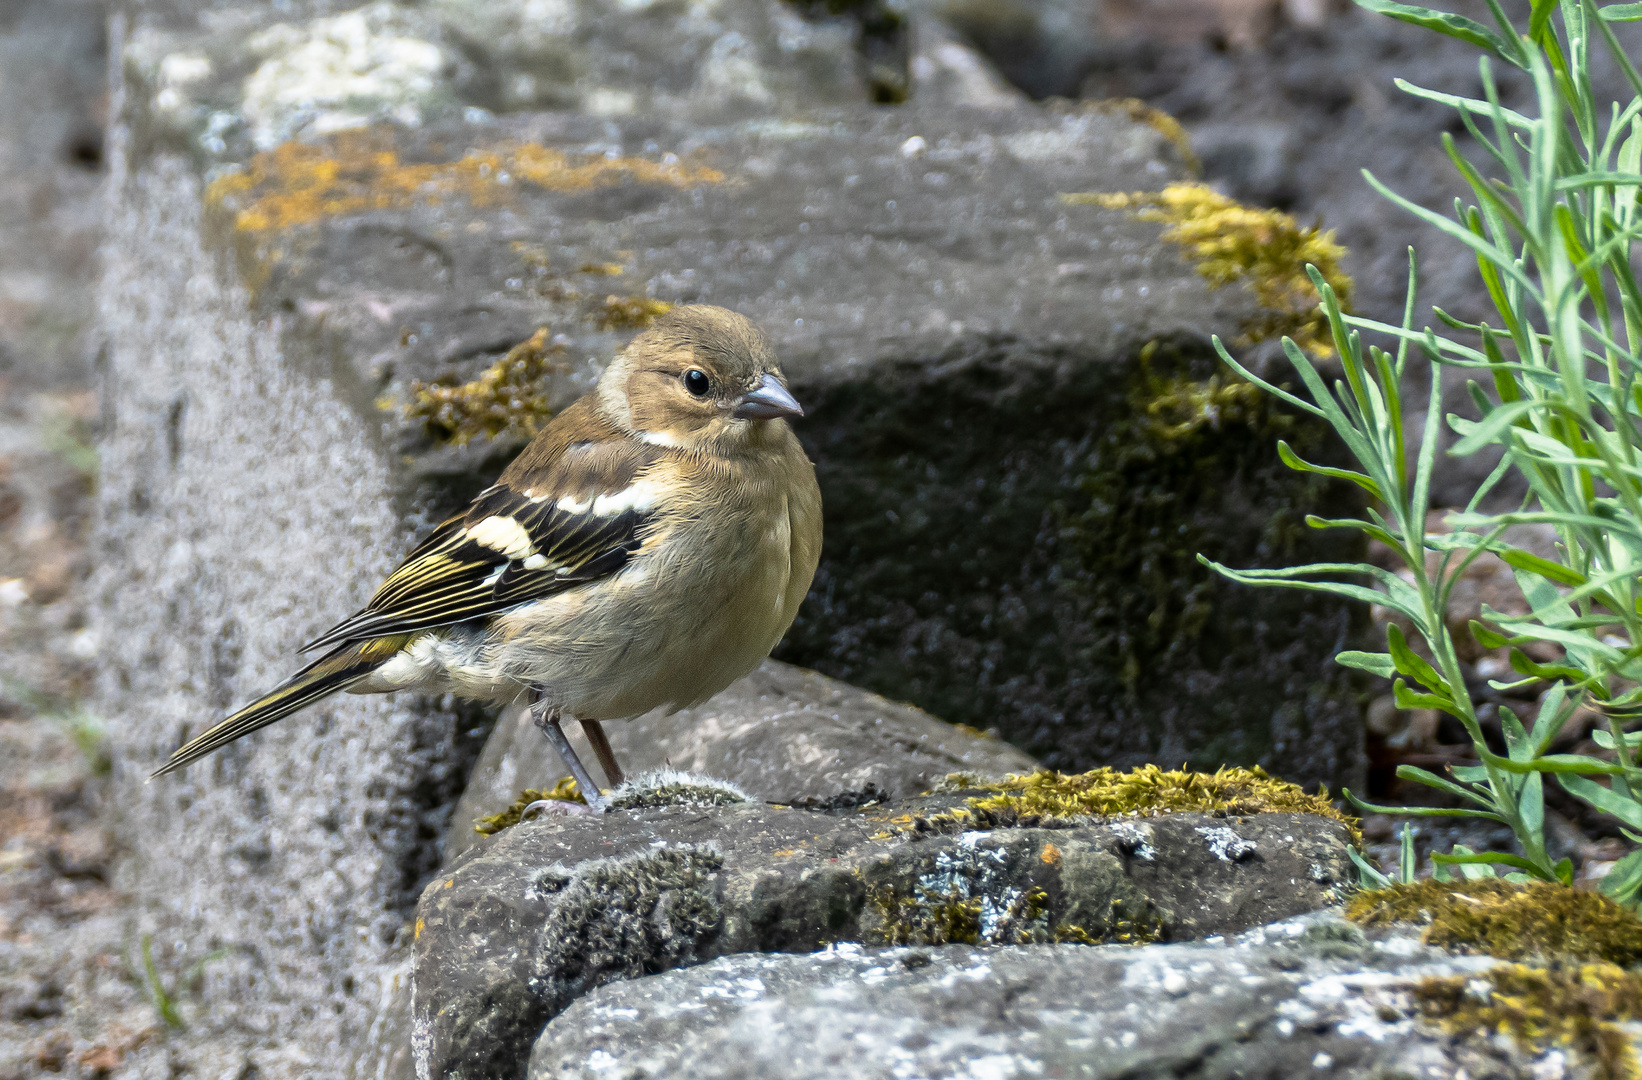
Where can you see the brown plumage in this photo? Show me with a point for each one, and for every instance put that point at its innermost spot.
(649, 547)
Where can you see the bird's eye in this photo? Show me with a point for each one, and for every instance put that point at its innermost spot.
(695, 381)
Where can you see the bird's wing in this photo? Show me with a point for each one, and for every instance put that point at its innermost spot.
(567, 522)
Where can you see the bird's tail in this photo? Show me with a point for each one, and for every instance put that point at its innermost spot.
(334, 671)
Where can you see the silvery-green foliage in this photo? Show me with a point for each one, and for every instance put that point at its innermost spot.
(1552, 228)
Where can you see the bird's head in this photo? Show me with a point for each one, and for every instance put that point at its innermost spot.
(700, 378)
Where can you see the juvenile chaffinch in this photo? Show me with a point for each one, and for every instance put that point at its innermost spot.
(648, 548)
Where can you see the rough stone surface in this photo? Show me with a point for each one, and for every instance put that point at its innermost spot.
(538, 915)
(1308, 997)
(782, 734)
(222, 82)
(963, 339)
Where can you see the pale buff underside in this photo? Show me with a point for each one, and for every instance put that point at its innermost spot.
(670, 629)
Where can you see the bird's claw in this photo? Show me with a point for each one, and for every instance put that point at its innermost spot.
(558, 808)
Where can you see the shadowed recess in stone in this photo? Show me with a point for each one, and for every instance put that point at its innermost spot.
(1536, 921)
(300, 183)
(1056, 597)
(1585, 1009)
(1231, 244)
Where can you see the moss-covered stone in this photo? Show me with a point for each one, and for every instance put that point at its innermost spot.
(1538, 921)
(1014, 547)
(1046, 799)
(506, 400)
(1046, 796)
(669, 787)
(1580, 1009)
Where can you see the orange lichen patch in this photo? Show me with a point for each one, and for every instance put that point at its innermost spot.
(630, 312)
(1050, 855)
(507, 398)
(301, 183)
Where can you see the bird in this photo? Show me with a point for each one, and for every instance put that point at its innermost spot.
(648, 547)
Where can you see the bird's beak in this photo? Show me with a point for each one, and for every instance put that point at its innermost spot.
(769, 401)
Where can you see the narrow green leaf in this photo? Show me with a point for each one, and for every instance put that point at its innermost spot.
(1299, 464)
(1548, 722)
(1407, 857)
(1487, 638)
(1409, 699)
(1487, 858)
(1621, 12)
(1545, 568)
(1369, 877)
(1413, 665)
(1524, 665)
(1418, 811)
(1470, 105)
(1605, 799)
(1623, 883)
(1374, 663)
(1531, 807)
(1479, 795)
(1491, 429)
(1561, 764)
(1454, 26)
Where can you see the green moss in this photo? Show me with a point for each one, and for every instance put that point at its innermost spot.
(1538, 921)
(924, 918)
(1124, 926)
(565, 791)
(1032, 798)
(1574, 1008)
(509, 398)
(666, 787)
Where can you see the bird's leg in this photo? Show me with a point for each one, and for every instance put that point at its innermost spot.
(601, 746)
(546, 717)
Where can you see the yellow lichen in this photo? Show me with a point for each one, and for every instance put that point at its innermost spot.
(1537, 921)
(507, 398)
(630, 312)
(301, 183)
(1230, 243)
(564, 791)
(1577, 1008)
(1146, 791)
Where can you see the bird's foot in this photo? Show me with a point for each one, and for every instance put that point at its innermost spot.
(547, 718)
(556, 808)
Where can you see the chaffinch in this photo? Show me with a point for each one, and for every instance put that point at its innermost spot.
(649, 547)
